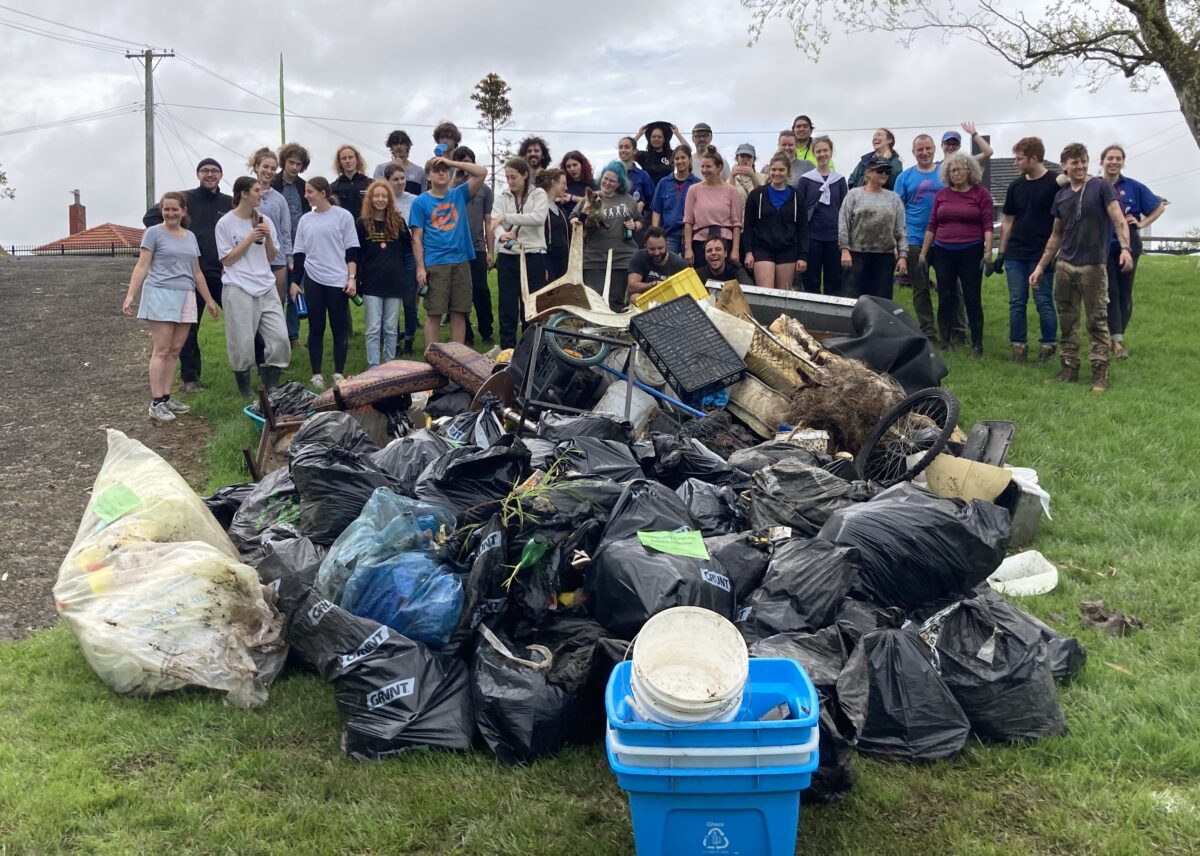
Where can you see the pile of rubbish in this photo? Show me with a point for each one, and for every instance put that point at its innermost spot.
(475, 581)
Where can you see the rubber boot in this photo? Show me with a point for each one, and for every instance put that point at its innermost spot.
(1099, 377)
(243, 384)
(1020, 352)
(269, 376)
(1046, 354)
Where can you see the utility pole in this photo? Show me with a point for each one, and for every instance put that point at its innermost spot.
(282, 123)
(149, 56)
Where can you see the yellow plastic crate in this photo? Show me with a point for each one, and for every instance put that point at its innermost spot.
(686, 282)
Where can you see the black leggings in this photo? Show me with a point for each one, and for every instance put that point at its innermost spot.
(823, 257)
(322, 300)
(956, 267)
(871, 274)
(508, 290)
(1120, 285)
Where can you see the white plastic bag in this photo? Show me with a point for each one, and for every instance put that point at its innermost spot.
(154, 590)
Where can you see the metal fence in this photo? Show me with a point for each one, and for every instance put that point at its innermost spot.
(97, 249)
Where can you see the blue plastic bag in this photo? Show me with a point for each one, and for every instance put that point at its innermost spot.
(389, 525)
(411, 594)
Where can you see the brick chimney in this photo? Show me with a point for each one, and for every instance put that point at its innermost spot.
(77, 214)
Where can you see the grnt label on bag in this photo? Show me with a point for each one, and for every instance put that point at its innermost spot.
(399, 689)
(115, 502)
(714, 579)
(368, 647)
(320, 608)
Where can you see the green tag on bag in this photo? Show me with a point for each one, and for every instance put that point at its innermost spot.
(115, 502)
(689, 544)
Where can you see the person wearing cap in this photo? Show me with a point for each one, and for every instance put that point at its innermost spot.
(775, 231)
(656, 158)
(871, 234)
(883, 147)
(952, 142)
(743, 175)
(960, 233)
(702, 138)
(669, 197)
(206, 205)
(916, 187)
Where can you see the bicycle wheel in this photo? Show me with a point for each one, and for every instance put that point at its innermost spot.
(581, 353)
(919, 425)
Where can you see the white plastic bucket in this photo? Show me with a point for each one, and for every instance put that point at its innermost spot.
(690, 666)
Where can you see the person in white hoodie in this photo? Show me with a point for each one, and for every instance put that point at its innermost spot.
(518, 223)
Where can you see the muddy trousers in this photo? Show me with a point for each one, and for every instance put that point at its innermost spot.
(1087, 285)
(922, 291)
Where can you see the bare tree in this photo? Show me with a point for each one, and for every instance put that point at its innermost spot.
(1096, 39)
(495, 113)
(6, 192)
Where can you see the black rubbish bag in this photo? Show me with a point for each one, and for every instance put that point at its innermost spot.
(522, 713)
(328, 639)
(568, 504)
(570, 426)
(334, 485)
(479, 428)
(836, 773)
(908, 712)
(823, 654)
(715, 508)
(890, 341)
(1067, 655)
(592, 457)
(677, 459)
(802, 590)
(772, 452)
(583, 656)
(647, 506)
(471, 481)
(271, 511)
(450, 400)
(287, 401)
(865, 617)
(793, 493)
(225, 502)
(629, 583)
(917, 547)
(542, 453)
(995, 662)
(290, 565)
(486, 597)
(744, 557)
(334, 428)
(405, 459)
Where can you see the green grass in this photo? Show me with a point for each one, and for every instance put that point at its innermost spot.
(84, 771)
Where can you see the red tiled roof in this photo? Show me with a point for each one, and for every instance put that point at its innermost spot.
(123, 237)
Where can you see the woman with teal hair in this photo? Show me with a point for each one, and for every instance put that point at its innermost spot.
(608, 219)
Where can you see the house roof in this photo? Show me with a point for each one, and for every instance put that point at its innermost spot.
(106, 234)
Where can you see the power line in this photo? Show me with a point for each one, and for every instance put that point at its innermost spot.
(1170, 127)
(74, 120)
(76, 29)
(1186, 133)
(196, 130)
(60, 37)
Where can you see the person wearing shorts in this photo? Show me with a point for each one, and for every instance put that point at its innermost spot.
(443, 246)
(776, 228)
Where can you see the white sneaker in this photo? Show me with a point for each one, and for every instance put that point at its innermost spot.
(317, 382)
(337, 378)
(177, 406)
(161, 412)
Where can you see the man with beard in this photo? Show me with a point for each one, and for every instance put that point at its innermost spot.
(653, 264)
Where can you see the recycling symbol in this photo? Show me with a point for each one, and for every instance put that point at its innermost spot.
(716, 839)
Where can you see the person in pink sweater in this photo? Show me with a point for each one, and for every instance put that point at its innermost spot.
(712, 207)
(960, 235)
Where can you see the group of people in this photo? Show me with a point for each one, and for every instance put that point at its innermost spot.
(281, 245)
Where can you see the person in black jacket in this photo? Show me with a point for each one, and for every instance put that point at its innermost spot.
(558, 229)
(206, 205)
(350, 186)
(775, 229)
(293, 160)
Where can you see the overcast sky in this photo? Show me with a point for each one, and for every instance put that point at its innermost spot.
(580, 78)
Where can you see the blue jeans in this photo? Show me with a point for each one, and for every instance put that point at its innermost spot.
(1018, 272)
(292, 317)
(675, 242)
(382, 314)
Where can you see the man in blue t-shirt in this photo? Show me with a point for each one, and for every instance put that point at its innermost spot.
(443, 247)
(916, 187)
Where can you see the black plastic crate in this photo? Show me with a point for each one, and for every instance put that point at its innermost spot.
(686, 347)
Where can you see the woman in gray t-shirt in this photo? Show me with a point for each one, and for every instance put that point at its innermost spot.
(168, 273)
(609, 220)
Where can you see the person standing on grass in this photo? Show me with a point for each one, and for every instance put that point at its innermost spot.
(275, 208)
(519, 225)
(871, 234)
(960, 233)
(443, 247)
(247, 242)
(776, 228)
(608, 220)
(384, 245)
(326, 265)
(883, 147)
(824, 190)
(802, 128)
(1024, 230)
(293, 159)
(579, 179)
(168, 272)
(713, 204)
(1140, 208)
(653, 264)
(558, 228)
(479, 216)
(399, 143)
(395, 175)
(1079, 240)
(351, 184)
(206, 205)
(667, 205)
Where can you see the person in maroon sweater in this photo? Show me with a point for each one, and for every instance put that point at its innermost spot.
(960, 234)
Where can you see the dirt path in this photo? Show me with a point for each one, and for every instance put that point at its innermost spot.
(70, 366)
